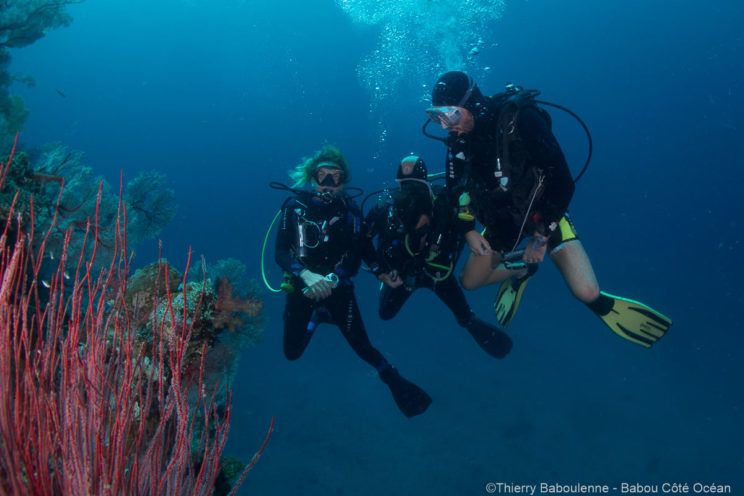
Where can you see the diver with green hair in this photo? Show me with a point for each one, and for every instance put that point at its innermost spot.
(319, 246)
(418, 246)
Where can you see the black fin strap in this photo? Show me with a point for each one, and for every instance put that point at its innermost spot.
(602, 305)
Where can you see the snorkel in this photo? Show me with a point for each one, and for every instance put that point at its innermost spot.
(428, 135)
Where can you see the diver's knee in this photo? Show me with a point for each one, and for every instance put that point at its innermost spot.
(292, 354)
(587, 292)
(386, 314)
(467, 282)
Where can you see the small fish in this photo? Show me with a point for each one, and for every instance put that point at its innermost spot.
(66, 275)
(60, 93)
(45, 284)
(51, 255)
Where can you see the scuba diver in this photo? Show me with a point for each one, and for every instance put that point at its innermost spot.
(510, 174)
(319, 246)
(418, 247)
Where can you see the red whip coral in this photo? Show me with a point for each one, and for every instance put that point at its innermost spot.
(86, 407)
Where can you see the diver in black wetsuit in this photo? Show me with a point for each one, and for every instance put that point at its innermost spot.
(511, 176)
(417, 247)
(319, 246)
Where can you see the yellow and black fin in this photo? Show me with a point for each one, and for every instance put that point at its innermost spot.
(510, 294)
(631, 319)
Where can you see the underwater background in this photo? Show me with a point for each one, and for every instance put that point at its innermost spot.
(224, 96)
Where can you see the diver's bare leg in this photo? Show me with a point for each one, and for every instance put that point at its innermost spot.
(576, 268)
(482, 270)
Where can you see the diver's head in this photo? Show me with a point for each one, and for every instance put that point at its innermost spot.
(412, 168)
(413, 176)
(414, 199)
(457, 102)
(327, 171)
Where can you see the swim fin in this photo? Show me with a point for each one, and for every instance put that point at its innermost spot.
(630, 319)
(510, 294)
(411, 399)
(491, 338)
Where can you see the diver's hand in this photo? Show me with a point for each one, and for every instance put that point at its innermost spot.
(318, 287)
(391, 278)
(535, 250)
(477, 243)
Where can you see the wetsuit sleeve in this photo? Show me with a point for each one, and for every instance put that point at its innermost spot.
(454, 189)
(450, 227)
(371, 228)
(454, 165)
(352, 259)
(284, 254)
(545, 153)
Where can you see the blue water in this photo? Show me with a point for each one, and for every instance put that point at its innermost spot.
(224, 96)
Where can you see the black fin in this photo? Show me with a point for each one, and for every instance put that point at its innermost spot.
(490, 337)
(411, 399)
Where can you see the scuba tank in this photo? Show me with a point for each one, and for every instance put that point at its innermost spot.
(301, 248)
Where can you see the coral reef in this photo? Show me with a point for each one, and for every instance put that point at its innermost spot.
(42, 173)
(62, 186)
(22, 22)
(110, 387)
(221, 325)
(151, 205)
(222, 322)
(110, 384)
(228, 310)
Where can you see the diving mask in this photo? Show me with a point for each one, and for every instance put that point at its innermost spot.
(327, 176)
(447, 117)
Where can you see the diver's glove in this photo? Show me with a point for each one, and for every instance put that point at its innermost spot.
(309, 277)
(318, 286)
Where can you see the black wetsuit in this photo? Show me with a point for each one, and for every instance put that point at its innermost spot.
(513, 168)
(332, 243)
(426, 259)
(325, 237)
